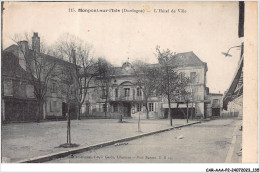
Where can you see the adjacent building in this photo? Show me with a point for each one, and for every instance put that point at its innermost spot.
(215, 106)
(18, 97)
(233, 97)
(18, 101)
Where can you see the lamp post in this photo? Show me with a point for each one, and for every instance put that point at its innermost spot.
(226, 53)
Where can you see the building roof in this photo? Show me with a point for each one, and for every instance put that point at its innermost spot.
(14, 49)
(186, 59)
(11, 67)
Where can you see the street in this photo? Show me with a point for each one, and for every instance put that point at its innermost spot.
(27, 140)
(208, 142)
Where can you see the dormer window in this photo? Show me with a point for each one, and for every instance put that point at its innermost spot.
(126, 66)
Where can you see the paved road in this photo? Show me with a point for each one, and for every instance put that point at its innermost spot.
(208, 142)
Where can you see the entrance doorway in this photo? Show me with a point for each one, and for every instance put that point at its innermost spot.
(64, 109)
(127, 109)
(215, 111)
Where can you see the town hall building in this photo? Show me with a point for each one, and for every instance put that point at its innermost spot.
(126, 97)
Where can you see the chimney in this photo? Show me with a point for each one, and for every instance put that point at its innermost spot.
(24, 47)
(36, 42)
(73, 56)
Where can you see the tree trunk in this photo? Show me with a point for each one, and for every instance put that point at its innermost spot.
(192, 110)
(68, 126)
(187, 112)
(147, 110)
(169, 112)
(105, 110)
(121, 116)
(139, 125)
(79, 110)
(39, 111)
(177, 108)
(105, 114)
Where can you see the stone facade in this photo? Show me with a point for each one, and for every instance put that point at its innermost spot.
(215, 107)
(18, 100)
(125, 97)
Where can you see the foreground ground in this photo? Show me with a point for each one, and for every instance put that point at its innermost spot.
(209, 142)
(26, 140)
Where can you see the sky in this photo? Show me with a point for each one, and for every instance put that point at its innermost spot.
(206, 28)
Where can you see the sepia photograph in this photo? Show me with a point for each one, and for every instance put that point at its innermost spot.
(126, 82)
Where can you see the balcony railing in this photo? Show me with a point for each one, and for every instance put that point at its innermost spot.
(127, 98)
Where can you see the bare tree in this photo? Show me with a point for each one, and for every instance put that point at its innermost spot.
(80, 54)
(37, 64)
(171, 84)
(146, 81)
(104, 78)
(183, 93)
(68, 89)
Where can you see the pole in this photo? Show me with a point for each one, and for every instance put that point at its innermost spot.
(187, 112)
(192, 110)
(67, 127)
(69, 130)
(139, 128)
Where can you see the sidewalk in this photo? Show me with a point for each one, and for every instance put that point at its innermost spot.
(27, 140)
(235, 153)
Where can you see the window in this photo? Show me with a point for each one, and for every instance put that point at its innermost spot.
(192, 77)
(104, 93)
(194, 90)
(104, 107)
(115, 107)
(116, 92)
(30, 91)
(150, 106)
(215, 102)
(127, 92)
(53, 87)
(53, 105)
(139, 107)
(8, 88)
(139, 92)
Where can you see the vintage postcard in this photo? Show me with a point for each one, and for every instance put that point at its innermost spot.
(129, 82)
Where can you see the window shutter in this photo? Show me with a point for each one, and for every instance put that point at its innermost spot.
(155, 110)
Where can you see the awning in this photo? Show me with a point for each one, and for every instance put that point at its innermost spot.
(232, 93)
